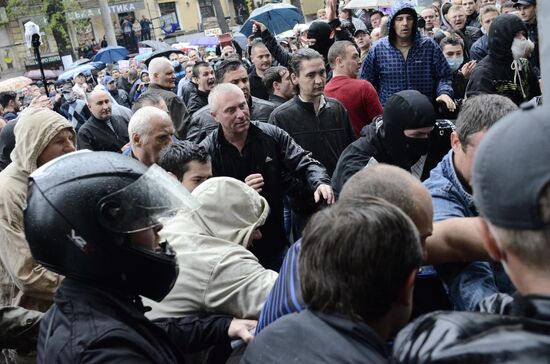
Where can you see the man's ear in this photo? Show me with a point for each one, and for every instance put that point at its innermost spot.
(406, 292)
(294, 78)
(490, 242)
(136, 140)
(455, 142)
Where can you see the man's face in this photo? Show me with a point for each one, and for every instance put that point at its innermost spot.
(351, 62)
(80, 79)
(189, 72)
(464, 155)
(487, 19)
(111, 85)
(527, 13)
(100, 106)
(239, 77)
(430, 17)
(469, 6)
(16, 103)
(403, 26)
(148, 147)
(227, 52)
(181, 58)
(233, 113)
(261, 58)
(206, 80)
(321, 14)
(115, 74)
(285, 88)
(453, 51)
(457, 18)
(100, 75)
(363, 40)
(166, 77)
(312, 78)
(196, 174)
(62, 143)
(173, 57)
(194, 56)
(375, 20)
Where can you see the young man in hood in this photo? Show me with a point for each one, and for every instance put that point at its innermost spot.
(407, 60)
(214, 241)
(506, 70)
(204, 78)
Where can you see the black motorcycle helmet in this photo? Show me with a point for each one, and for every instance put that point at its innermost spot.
(83, 210)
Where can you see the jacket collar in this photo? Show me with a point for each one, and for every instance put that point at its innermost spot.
(360, 330)
(534, 312)
(276, 99)
(450, 171)
(309, 105)
(158, 87)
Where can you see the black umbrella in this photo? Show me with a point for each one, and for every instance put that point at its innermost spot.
(161, 53)
(154, 44)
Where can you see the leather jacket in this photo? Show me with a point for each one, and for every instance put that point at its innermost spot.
(467, 337)
(202, 123)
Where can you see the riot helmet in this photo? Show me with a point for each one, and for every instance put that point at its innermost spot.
(86, 211)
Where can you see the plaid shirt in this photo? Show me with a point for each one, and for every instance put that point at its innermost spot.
(425, 70)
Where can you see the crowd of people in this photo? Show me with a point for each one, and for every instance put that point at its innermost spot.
(374, 189)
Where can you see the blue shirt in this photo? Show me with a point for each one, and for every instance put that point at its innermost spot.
(286, 295)
(425, 69)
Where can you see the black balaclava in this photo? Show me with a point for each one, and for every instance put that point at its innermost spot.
(407, 109)
(320, 31)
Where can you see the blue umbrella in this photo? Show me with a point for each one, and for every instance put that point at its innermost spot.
(85, 69)
(205, 41)
(111, 54)
(276, 17)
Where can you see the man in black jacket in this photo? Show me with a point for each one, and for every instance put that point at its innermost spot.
(232, 71)
(204, 78)
(319, 124)
(102, 131)
(262, 156)
(406, 137)
(351, 311)
(505, 71)
(261, 59)
(163, 81)
(457, 19)
(511, 184)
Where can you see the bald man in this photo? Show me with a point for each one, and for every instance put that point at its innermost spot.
(102, 131)
(163, 83)
(452, 240)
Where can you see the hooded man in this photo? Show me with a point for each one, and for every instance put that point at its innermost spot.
(221, 275)
(406, 60)
(505, 71)
(40, 136)
(405, 137)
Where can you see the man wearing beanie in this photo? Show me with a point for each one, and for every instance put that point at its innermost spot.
(406, 60)
(511, 184)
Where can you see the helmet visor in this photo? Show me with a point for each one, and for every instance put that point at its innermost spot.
(142, 204)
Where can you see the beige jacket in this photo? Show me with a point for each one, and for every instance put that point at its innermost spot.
(23, 282)
(217, 273)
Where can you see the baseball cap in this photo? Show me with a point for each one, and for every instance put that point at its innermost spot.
(511, 170)
(66, 88)
(525, 2)
(364, 31)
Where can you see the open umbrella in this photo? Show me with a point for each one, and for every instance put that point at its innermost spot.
(162, 53)
(14, 84)
(241, 39)
(85, 69)
(154, 44)
(277, 17)
(36, 75)
(205, 41)
(369, 4)
(78, 62)
(111, 54)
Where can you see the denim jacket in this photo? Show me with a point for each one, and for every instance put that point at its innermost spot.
(466, 284)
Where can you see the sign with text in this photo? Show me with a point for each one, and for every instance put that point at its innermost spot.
(115, 8)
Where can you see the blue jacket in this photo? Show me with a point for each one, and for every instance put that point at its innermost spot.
(466, 284)
(425, 70)
(479, 48)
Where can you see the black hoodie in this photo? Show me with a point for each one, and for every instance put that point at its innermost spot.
(494, 74)
(385, 142)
